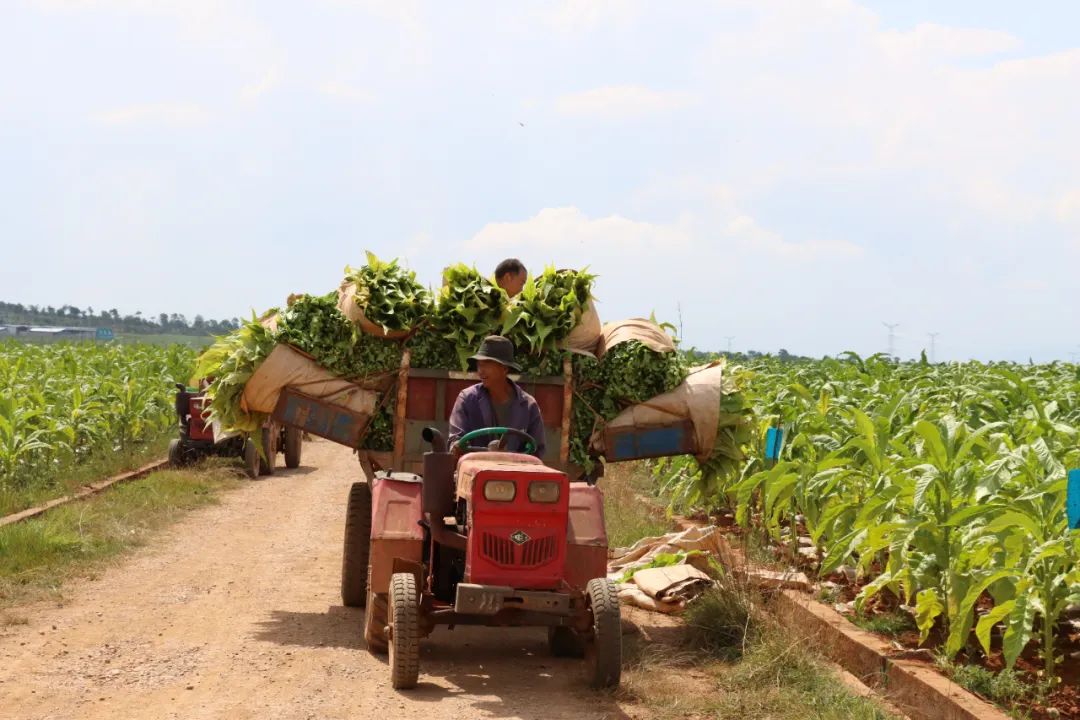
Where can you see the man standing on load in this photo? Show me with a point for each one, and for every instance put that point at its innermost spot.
(496, 401)
(511, 275)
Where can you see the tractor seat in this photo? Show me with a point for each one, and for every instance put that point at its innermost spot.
(473, 463)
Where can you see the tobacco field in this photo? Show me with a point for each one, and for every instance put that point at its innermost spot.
(944, 486)
(64, 403)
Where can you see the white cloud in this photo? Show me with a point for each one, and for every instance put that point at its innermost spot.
(622, 101)
(568, 227)
(932, 40)
(585, 15)
(343, 91)
(269, 80)
(721, 224)
(169, 114)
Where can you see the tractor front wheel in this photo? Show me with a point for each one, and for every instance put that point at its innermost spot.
(404, 631)
(354, 556)
(603, 649)
(293, 441)
(251, 459)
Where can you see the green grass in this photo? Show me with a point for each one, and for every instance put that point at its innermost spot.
(628, 518)
(735, 661)
(69, 477)
(890, 623)
(1004, 688)
(37, 556)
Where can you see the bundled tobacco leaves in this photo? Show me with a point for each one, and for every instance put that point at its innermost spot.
(629, 373)
(230, 363)
(388, 295)
(548, 309)
(470, 307)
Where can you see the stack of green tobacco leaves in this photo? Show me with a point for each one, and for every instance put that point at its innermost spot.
(230, 363)
(388, 295)
(547, 310)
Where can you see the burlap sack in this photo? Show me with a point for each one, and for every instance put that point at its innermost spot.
(270, 322)
(586, 336)
(347, 305)
(288, 367)
(645, 331)
(697, 400)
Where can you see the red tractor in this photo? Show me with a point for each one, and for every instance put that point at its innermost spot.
(496, 539)
(198, 438)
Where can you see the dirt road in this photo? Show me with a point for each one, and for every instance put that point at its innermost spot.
(235, 613)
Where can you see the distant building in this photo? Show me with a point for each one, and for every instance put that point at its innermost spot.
(47, 334)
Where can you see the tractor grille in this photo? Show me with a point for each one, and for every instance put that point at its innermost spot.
(533, 553)
(537, 552)
(498, 550)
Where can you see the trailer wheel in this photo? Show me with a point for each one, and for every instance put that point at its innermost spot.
(375, 620)
(354, 556)
(603, 650)
(404, 631)
(269, 443)
(293, 443)
(251, 459)
(565, 643)
(176, 453)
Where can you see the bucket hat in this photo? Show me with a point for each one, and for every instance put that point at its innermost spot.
(497, 348)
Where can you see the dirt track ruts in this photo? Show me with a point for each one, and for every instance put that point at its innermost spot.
(234, 612)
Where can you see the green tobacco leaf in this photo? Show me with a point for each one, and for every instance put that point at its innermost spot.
(928, 607)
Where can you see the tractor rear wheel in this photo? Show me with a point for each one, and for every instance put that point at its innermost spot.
(251, 459)
(293, 441)
(603, 650)
(269, 443)
(375, 620)
(404, 631)
(354, 556)
(176, 453)
(564, 642)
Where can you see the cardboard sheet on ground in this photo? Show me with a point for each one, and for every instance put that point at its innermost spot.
(697, 399)
(288, 367)
(665, 589)
(644, 551)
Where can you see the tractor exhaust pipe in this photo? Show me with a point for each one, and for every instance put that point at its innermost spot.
(433, 436)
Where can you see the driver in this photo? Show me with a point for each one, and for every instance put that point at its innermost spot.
(496, 401)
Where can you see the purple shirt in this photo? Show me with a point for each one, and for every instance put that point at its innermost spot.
(473, 410)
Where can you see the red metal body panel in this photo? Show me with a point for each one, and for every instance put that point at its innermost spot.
(198, 426)
(493, 555)
(395, 512)
(587, 543)
(421, 402)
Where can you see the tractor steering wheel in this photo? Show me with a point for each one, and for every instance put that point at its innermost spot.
(502, 432)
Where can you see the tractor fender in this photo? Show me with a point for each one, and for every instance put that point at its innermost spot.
(395, 526)
(586, 536)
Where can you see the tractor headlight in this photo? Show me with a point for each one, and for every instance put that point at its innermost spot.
(500, 490)
(544, 491)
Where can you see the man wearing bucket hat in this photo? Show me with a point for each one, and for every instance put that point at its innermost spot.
(496, 401)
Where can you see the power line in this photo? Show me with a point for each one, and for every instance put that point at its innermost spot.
(933, 346)
(729, 338)
(892, 337)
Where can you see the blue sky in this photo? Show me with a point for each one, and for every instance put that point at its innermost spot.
(791, 172)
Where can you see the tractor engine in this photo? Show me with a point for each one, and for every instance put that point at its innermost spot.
(500, 519)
